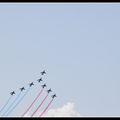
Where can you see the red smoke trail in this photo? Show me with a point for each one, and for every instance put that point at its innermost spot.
(39, 105)
(33, 102)
(46, 108)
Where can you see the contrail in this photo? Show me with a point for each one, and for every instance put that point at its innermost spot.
(33, 102)
(12, 103)
(5, 104)
(18, 102)
(46, 108)
(39, 105)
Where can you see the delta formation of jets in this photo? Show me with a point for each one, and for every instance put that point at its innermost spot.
(31, 84)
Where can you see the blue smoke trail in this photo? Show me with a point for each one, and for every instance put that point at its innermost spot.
(18, 102)
(5, 104)
(12, 103)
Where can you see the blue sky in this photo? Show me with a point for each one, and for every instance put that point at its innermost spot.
(77, 44)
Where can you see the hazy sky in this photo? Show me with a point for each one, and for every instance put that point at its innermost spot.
(77, 44)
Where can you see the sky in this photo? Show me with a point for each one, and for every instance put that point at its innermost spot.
(77, 44)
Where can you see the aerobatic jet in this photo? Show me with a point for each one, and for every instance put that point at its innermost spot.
(22, 88)
(39, 80)
(53, 96)
(43, 72)
(49, 90)
(31, 84)
(12, 93)
(44, 85)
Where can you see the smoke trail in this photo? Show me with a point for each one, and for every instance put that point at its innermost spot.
(39, 105)
(12, 103)
(18, 102)
(46, 108)
(33, 102)
(5, 104)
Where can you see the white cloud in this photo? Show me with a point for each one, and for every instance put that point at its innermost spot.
(67, 110)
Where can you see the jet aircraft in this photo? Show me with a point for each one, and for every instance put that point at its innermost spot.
(53, 96)
(31, 84)
(49, 90)
(43, 72)
(22, 88)
(12, 93)
(39, 80)
(44, 85)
